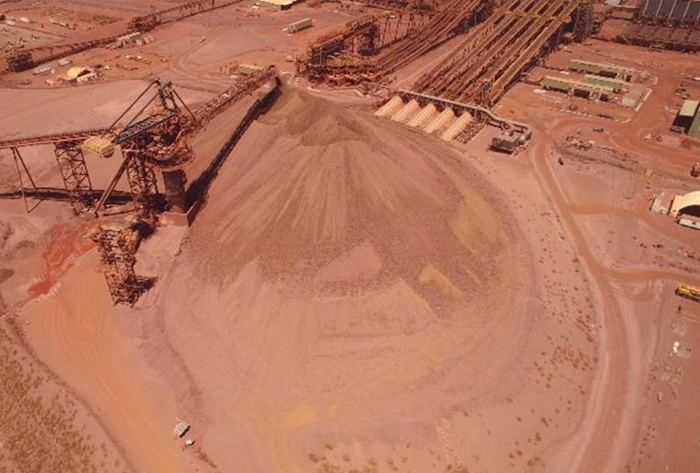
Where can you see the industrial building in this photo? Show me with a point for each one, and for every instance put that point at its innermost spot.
(277, 4)
(694, 129)
(612, 71)
(688, 119)
(506, 143)
(615, 84)
(670, 10)
(686, 205)
(78, 75)
(578, 88)
(132, 39)
(502, 44)
(671, 24)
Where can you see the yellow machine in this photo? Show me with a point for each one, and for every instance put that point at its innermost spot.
(689, 292)
(101, 145)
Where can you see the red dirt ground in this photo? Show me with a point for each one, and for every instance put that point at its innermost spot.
(355, 295)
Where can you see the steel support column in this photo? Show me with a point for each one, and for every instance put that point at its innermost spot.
(21, 165)
(71, 163)
(143, 184)
(118, 265)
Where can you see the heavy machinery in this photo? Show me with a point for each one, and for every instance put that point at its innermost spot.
(688, 292)
(117, 247)
(152, 135)
(22, 59)
(149, 139)
(368, 48)
(152, 131)
(159, 139)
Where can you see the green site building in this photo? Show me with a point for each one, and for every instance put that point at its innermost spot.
(602, 69)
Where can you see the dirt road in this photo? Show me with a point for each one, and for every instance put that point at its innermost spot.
(76, 334)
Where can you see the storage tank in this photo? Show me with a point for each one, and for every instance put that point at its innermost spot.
(407, 111)
(440, 122)
(423, 116)
(457, 127)
(389, 108)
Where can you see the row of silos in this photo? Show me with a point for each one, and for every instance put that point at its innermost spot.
(428, 118)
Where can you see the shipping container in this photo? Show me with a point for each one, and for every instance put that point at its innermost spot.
(248, 69)
(617, 85)
(299, 25)
(602, 69)
(45, 69)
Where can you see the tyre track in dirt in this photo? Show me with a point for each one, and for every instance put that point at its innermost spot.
(608, 430)
(75, 336)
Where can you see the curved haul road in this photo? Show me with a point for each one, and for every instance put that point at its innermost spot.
(608, 433)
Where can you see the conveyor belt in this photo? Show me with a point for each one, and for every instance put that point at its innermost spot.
(440, 28)
(496, 52)
(50, 138)
(439, 78)
(24, 59)
(529, 54)
(515, 51)
(501, 48)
